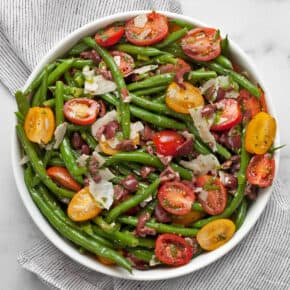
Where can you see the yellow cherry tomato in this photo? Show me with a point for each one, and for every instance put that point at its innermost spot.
(181, 100)
(39, 125)
(83, 207)
(215, 234)
(107, 149)
(188, 218)
(260, 133)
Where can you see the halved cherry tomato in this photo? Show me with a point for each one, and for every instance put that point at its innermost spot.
(264, 107)
(181, 100)
(63, 177)
(249, 103)
(110, 35)
(202, 44)
(167, 142)
(107, 149)
(215, 234)
(229, 116)
(39, 125)
(82, 206)
(176, 197)
(173, 250)
(154, 30)
(261, 170)
(81, 111)
(260, 133)
(213, 197)
(125, 62)
(189, 218)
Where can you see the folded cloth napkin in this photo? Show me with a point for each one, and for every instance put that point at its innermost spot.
(29, 28)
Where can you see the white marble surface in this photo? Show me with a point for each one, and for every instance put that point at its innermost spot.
(260, 27)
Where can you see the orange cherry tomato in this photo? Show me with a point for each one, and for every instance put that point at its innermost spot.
(181, 100)
(63, 177)
(39, 125)
(109, 36)
(189, 218)
(260, 133)
(82, 206)
(154, 30)
(215, 234)
(202, 44)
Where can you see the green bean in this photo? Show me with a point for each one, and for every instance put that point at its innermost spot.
(59, 101)
(20, 117)
(56, 162)
(37, 81)
(159, 100)
(176, 50)
(240, 79)
(38, 166)
(241, 213)
(47, 156)
(76, 236)
(149, 208)
(100, 222)
(51, 102)
(157, 80)
(197, 75)
(132, 49)
(81, 63)
(197, 206)
(162, 59)
(22, 103)
(133, 201)
(89, 139)
(68, 78)
(78, 48)
(119, 80)
(239, 194)
(41, 93)
(69, 90)
(144, 255)
(159, 227)
(75, 128)
(182, 23)
(79, 79)
(183, 172)
(149, 91)
(224, 62)
(172, 37)
(200, 147)
(225, 46)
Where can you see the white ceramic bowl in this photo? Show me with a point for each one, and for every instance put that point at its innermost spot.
(68, 248)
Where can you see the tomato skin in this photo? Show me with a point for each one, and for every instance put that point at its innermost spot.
(109, 36)
(81, 111)
(200, 44)
(167, 142)
(165, 243)
(176, 197)
(230, 116)
(216, 200)
(157, 24)
(261, 170)
(126, 62)
(39, 125)
(249, 103)
(260, 133)
(63, 177)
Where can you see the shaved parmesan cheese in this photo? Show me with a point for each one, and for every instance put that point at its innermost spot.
(127, 99)
(144, 34)
(113, 142)
(202, 127)
(145, 201)
(117, 59)
(103, 192)
(106, 174)
(203, 195)
(154, 261)
(59, 134)
(202, 164)
(98, 85)
(24, 160)
(140, 20)
(144, 69)
(232, 94)
(135, 129)
(101, 160)
(110, 116)
(82, 160)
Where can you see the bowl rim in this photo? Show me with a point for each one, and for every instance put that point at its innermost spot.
(67, 247)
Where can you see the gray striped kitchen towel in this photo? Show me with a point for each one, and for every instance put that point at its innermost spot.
(28, 29)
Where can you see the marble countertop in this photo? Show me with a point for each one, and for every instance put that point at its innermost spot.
(258, 26)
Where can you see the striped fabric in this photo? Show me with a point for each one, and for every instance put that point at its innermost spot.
(28, 29)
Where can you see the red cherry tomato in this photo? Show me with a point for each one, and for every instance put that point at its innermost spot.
(173, 250)
(229, 116)
(81, 111)
(154, 30)
(63, 177)
(261, 170)
(110, 35)
(176, 197)
(202, 44)
(125, 62)
(167, 142)
(213, 197)
(250, 104)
